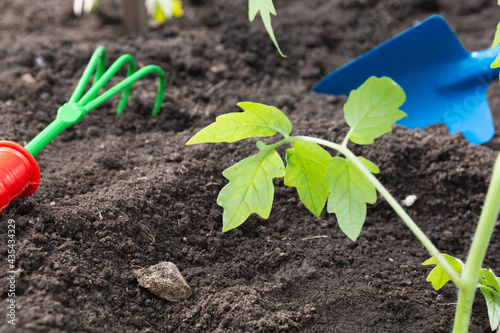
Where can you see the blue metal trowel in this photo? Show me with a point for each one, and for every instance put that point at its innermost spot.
(444, 83)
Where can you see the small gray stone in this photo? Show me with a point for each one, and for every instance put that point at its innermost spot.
(164, 280)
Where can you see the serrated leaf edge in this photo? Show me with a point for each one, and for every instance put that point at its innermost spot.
(316, 210)
(227, 224)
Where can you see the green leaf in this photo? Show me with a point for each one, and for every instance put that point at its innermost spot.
(489, 279)
(369, 165)
(437, 276)
(258, 120)
(493, 303)
(349, 193)
(372, 108)
(306, 167)
(496, 62)
(496, 40)
(266, 8)
(250, 189)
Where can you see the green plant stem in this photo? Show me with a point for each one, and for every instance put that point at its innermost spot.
(477, 252)
(426, 242)
(347, 137)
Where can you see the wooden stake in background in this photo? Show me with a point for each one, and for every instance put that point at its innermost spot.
(134, 16)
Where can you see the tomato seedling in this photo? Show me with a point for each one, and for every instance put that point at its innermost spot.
(344, 183)
(489, 284)
(370, 111)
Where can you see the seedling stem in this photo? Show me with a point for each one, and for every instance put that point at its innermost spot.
(477, 252)
(426, 242)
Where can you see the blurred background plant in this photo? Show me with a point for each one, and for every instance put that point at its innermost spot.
(161, 10)
(135, 12)
(84, 6)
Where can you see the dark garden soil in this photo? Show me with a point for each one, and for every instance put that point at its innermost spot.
(124, 192)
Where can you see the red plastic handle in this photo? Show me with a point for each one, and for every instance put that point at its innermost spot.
(19, 173)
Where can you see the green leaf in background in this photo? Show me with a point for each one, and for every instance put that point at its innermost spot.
(266, 8)
(493, 304)
(250, 189)
(496, 63)
(496, 40)
(371, 109)
(305, 170)
(437, 276)
(258, 120)
(349, 193)
(489, 279)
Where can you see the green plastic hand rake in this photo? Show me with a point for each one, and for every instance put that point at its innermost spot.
(19, 172)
